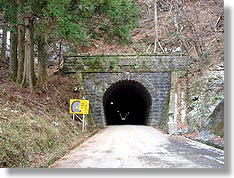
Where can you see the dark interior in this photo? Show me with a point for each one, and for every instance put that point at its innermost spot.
(126, 102)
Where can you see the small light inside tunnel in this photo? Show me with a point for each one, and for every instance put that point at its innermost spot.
(111, 102)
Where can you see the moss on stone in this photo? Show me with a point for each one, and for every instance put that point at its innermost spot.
(163, 124)
(219, 130)
(217, 120)
(80, 81)
(133, 63)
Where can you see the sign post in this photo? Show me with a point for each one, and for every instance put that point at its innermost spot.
(79, 107)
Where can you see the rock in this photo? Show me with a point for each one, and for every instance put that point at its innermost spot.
(206, 135)
(206, 94)
(183, 131)
(172, 127)
(194, 98)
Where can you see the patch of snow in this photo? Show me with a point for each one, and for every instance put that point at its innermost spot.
(178, 49)
(183, 109)
(55, 123)
(176, 108)
(199, 145)
(209, 157)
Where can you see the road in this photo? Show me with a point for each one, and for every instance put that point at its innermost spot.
(140, 147)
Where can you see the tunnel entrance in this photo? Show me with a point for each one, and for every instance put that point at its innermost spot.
(126, 102)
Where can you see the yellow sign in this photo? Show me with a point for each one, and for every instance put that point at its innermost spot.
(79, 106)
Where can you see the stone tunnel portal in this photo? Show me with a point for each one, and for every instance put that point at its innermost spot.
(126, 102)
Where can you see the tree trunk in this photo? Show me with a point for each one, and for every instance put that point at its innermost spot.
(13, 53)
(32, 51)
(21, 43)
(155, 25)
(42, 75)
(4, 41)
(29, 75)
(60, 54)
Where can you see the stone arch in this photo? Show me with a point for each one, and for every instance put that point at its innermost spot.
(127, 102)
(157, 84)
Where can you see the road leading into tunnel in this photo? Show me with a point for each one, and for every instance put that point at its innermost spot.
(130, 146)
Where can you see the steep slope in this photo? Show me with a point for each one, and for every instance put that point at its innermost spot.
(36, 128)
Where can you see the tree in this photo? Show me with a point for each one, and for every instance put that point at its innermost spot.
(118, 17)
(41, 60)
(13, 40)
(68, 21)
(13, 54)
(21, 44)
(156, 25)
(4, 39)
(11, 16)
(77, 21)
(9, 8)
(29, 75)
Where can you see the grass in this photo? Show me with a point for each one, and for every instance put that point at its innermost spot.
(35, 140)
(36, 128)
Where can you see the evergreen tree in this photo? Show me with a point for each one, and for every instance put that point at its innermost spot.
(71, 21)
(4, 39)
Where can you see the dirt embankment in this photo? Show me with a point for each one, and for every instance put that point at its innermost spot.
(36, 127)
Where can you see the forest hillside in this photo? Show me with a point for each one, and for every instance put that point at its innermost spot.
(35, 35)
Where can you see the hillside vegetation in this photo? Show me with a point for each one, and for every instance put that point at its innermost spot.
(36, 128)
(35, 125)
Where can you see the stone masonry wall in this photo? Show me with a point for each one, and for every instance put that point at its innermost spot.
(158, 85)
(125, 63)
(161, 75)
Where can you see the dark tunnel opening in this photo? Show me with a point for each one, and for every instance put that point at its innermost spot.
(127, 102)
